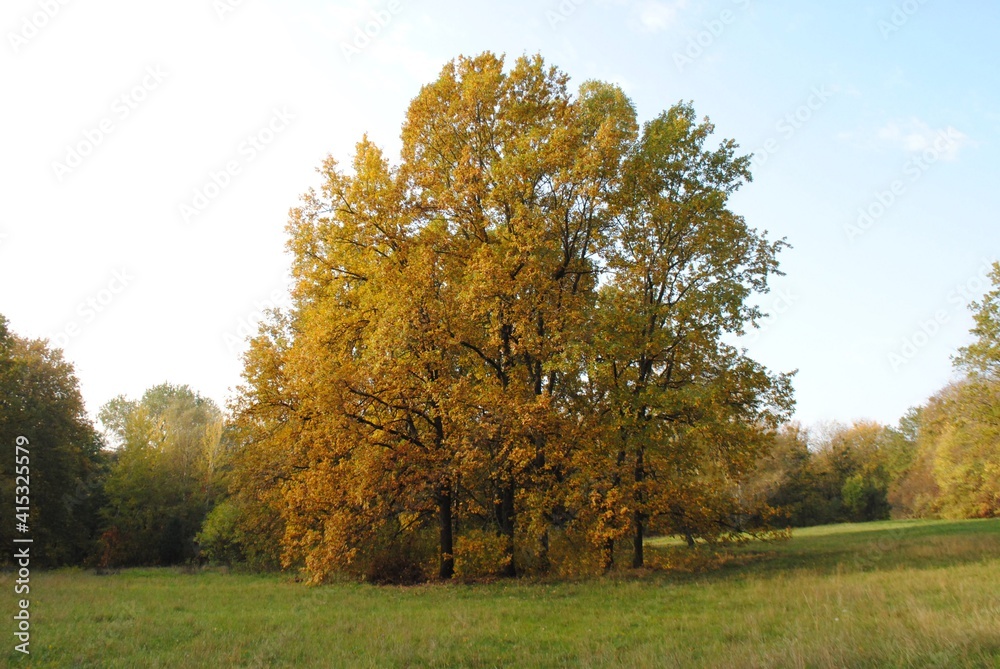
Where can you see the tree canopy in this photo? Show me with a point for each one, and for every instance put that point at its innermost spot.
(514, 336)
(162, 479)
(40, 401)
(957, 470)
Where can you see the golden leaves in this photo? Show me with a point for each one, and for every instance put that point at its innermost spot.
(513, 335)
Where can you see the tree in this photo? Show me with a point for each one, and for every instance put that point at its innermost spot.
(266, 449)
(981, 358)
(445, 353)
(838, 473)
(40, 401)
(955, 471)
(162, 480)
(857, 458)
(521, 174)
(686, 411)
(782, 479)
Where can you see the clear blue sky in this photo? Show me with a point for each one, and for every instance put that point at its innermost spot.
(147, 268)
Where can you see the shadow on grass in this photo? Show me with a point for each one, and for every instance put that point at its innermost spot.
(832, 549)
(849, 548)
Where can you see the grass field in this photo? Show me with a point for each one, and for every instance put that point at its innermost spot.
(892, 594)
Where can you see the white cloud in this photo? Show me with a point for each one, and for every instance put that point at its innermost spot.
(915, 136)
(656, 15)
(651, 16)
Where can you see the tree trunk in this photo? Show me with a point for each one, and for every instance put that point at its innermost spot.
(447, 551)
(543, 553)
(505, 519)
(637, 516)
(608, 558)
(637, 556)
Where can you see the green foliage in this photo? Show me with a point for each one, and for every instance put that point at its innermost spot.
(846, 476)
(982, 357)
(864, 499)
(162, 480)
(229, 536)
(40, 401)
(219, 535)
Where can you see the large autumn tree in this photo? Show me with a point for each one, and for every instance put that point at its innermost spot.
(485, 334)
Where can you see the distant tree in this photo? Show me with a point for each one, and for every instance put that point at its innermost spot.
(782, 479)
(859, 459)
(40, 401)
(981, 358)
(846, 474)
(956, 469)
(162, 479)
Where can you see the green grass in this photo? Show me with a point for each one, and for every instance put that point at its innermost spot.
(893, 594)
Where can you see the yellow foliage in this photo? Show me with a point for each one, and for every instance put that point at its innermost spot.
(518, 326)
(479, 554)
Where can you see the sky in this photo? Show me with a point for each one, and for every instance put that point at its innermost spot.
(150, 152)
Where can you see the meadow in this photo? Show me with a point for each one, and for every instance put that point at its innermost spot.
(887, 594)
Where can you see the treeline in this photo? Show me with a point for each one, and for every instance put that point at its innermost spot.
(135, 493)
(63, 480)
(941, 460)
(163, 482)
(506, 354)
(836, 473)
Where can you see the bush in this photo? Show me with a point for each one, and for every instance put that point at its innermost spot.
(397, 558)
(480, 553)
(219, 538)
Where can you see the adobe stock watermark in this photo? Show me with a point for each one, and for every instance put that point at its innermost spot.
(791, 123)
(960, 296)
(914, 169)
(89, 309)
(22, 553)
(121, 108)
(279, 298)
(900, 16)
(877, 549)
(32, 24)
(368, 31)
(712, 30)
(224, 8)
(247, 151)
(562, 12)
(84, 490)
